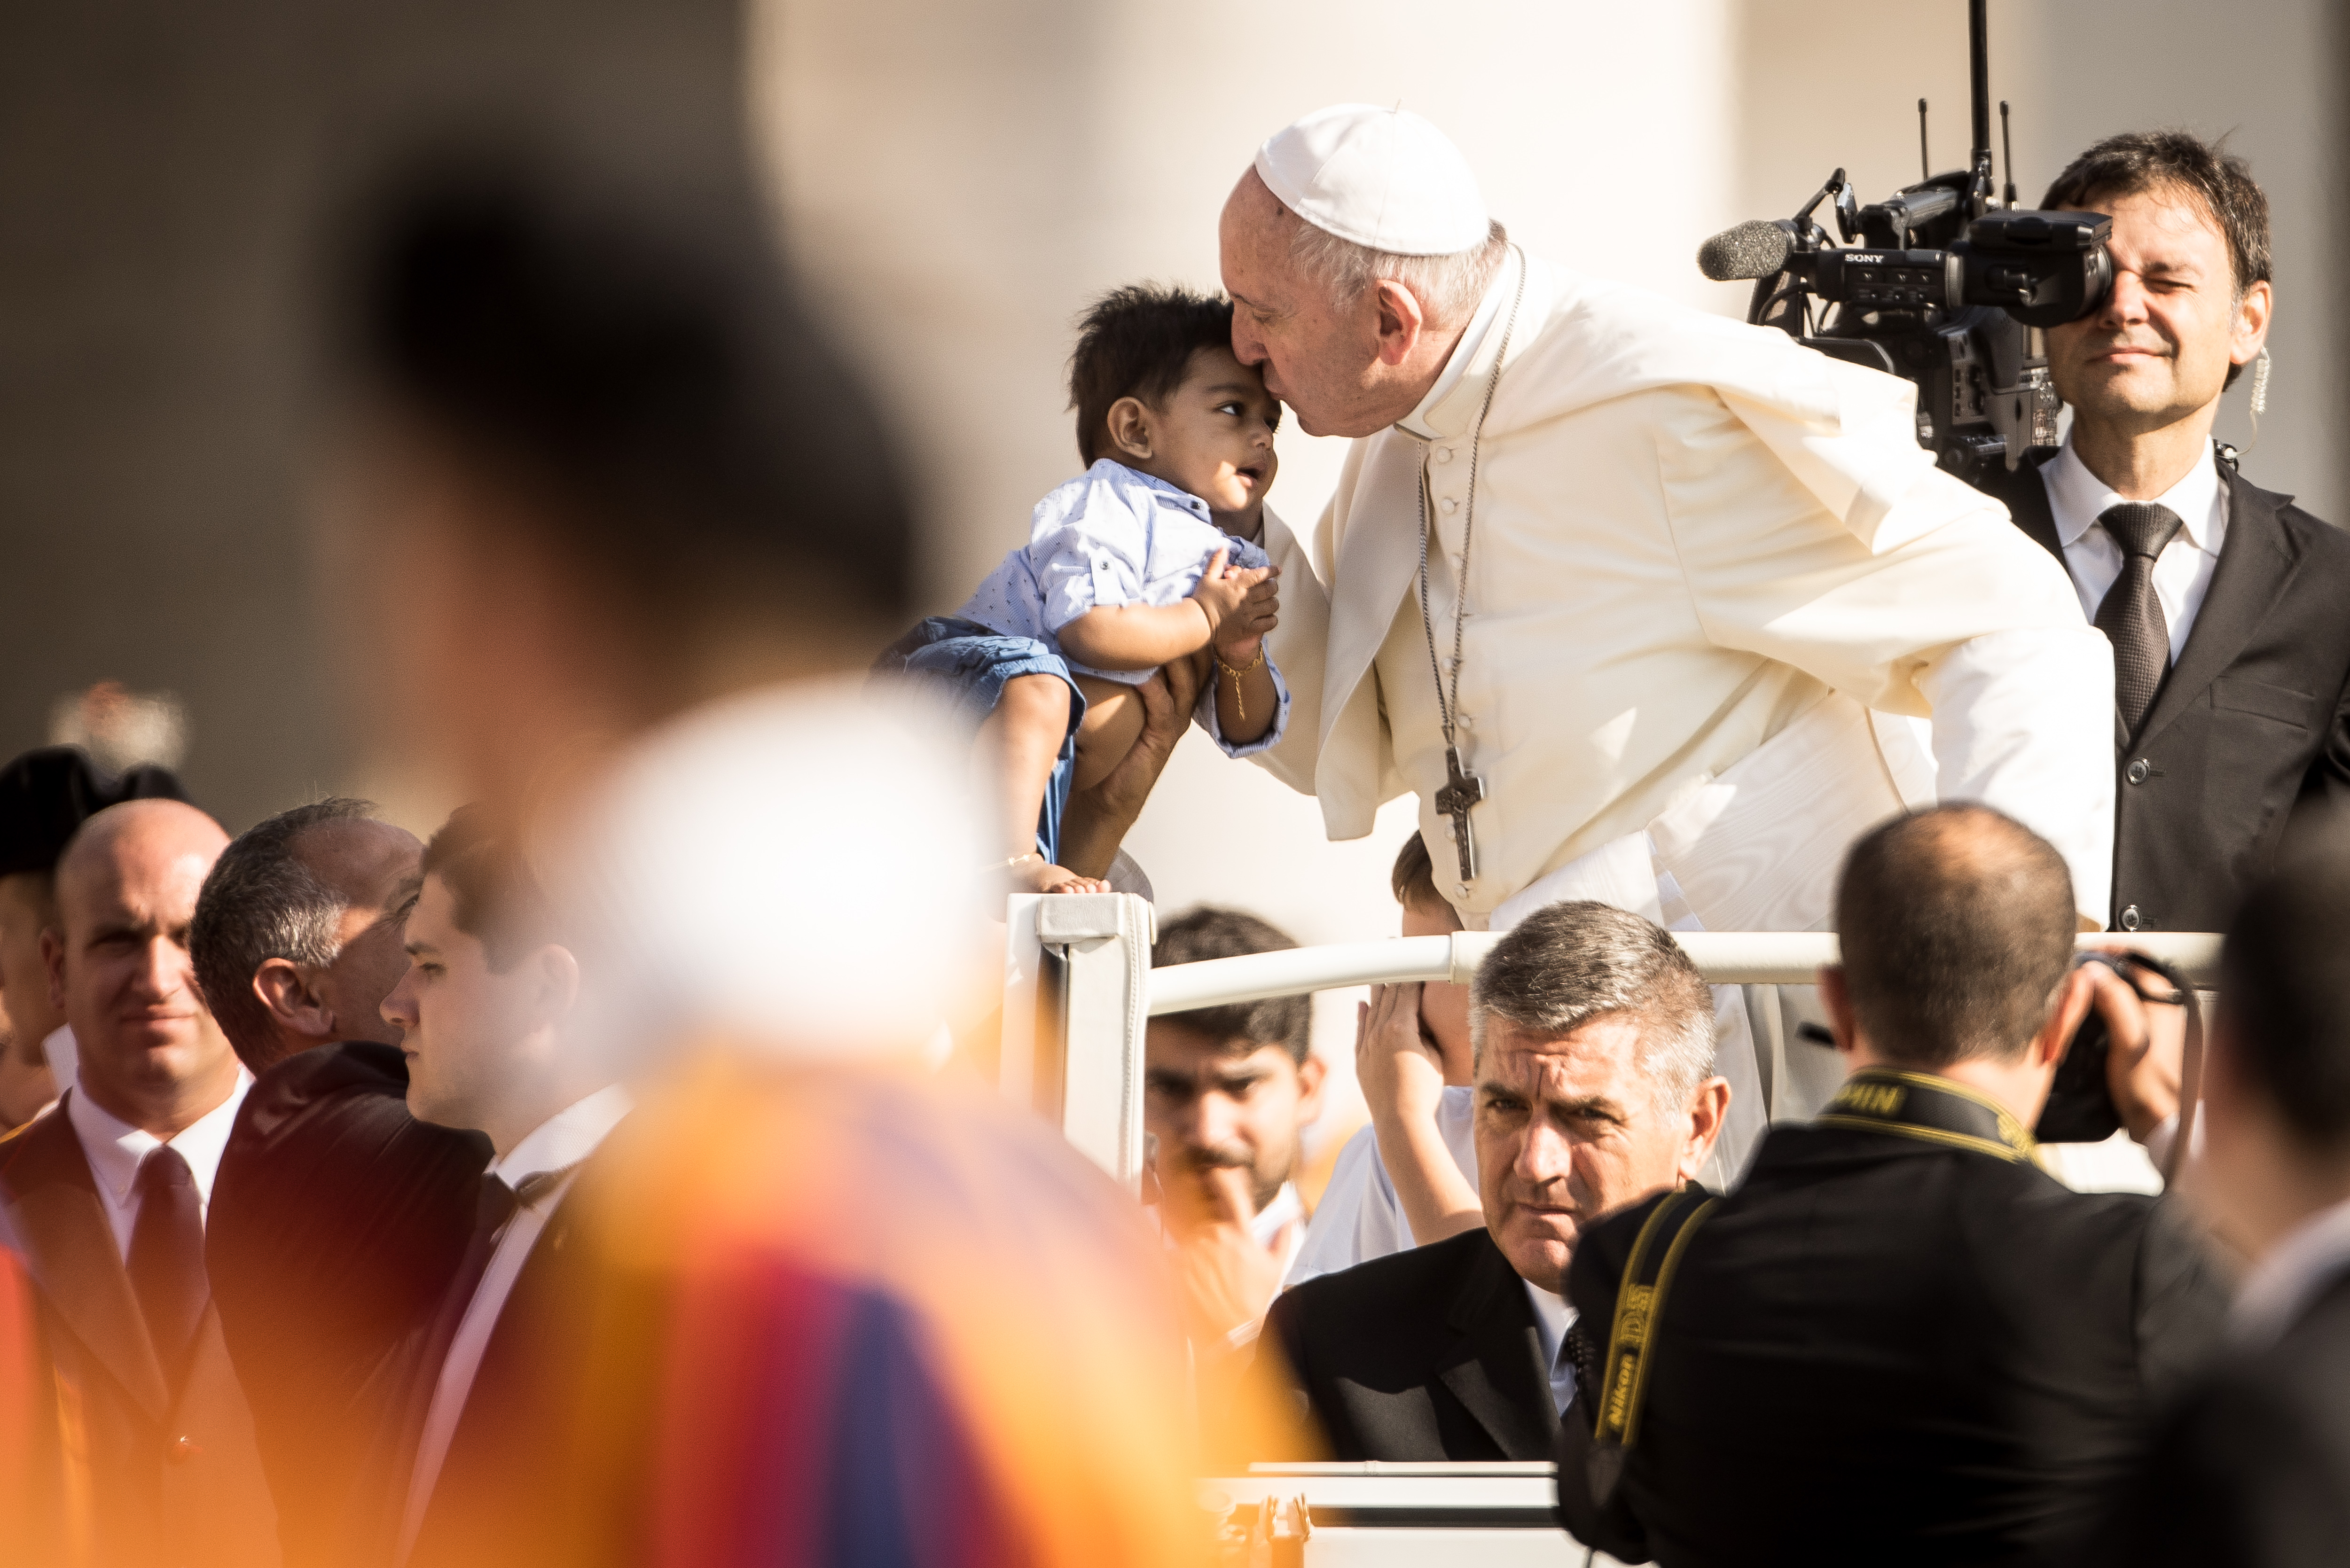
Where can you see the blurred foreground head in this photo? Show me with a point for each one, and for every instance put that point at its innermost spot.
(604, 466)
(2277, 1100)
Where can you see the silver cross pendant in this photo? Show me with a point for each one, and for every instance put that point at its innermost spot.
(1461, 790)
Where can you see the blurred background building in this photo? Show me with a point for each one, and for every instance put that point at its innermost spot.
(955, 181)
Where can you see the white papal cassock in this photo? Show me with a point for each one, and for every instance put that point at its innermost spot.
(1723, 614)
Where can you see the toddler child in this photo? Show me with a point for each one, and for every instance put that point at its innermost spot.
(1150, 556)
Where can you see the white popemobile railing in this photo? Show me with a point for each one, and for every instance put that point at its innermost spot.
(1078, 991)
(1079, 988)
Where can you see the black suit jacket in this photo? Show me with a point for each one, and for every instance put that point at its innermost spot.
(337, 1220)
(1425, 1354)
(2253, 722)
(531, 1476)
(1882, 1349)
(2253, 1467)
(169, 1479)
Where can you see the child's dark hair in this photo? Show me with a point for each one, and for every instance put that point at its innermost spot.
(1137, 342)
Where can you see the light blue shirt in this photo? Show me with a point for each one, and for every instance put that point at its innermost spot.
(1115, 536)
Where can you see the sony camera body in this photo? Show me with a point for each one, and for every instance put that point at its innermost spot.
(1942, 284)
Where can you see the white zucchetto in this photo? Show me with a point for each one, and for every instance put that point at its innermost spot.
(1380, 177)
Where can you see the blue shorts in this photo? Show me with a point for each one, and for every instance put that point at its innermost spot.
(968, 664)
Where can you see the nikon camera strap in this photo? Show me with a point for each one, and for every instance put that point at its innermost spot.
(1929, 1109)
(1639, 1306)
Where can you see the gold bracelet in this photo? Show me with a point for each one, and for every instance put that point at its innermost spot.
(1008, 865)
(1239, 707)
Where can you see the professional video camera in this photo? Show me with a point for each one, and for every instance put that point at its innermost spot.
(1940, 284)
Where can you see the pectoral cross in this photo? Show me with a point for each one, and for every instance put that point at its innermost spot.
(1461, 790)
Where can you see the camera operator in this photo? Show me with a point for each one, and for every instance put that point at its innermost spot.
(2223, 601)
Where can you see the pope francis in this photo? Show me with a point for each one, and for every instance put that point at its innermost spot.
(1645, 605)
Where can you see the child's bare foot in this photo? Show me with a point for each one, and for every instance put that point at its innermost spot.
(1038, 875)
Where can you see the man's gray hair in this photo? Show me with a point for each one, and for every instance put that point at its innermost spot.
(1569, 963)
(1447, 287)
(260, 902)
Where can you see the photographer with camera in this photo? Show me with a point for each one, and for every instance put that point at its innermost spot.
(2224, 602)
(1900, 1340)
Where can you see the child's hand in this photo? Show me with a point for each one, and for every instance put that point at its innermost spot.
(1239, 638)
(1238, 603)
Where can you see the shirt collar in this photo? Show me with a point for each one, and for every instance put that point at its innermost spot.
(115, 1148)
(1285, 1207)
(1551, 1318)
(564, 1138)
(1452, 402)
(2283, 1284)
(1175, 493)
(2077, 498)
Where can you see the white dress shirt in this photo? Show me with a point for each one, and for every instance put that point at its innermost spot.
(2182, 573)
(1552, 1318)
(1360, 1215)
(64, 1055)
(562, 1141)
(115, 1149)
(2282, 1287)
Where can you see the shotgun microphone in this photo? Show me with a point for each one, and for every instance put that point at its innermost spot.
(1752, 250)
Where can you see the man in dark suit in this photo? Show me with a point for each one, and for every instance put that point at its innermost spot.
(486, 1011)
(1899, 1340)
(2253, 1467)
(340, 1218)
(107, 1196)
(45, 794)
(1593, 1045)
(2223, 601)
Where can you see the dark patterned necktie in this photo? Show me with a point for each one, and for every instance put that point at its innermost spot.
(2131, 616)
(166, 1260)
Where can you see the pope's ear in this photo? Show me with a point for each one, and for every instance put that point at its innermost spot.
(1130, 428)
(1400, 320)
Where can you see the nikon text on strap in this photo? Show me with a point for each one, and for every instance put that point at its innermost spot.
(1640, 1308)
(1932, 1110)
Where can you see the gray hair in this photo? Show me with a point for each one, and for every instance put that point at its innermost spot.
(1569, 963)
(1447, 287)
(259, 903)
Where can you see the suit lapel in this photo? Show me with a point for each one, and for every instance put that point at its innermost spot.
(1495, 1368)
(71, 1247)
(1377, 559)
(2256, 563)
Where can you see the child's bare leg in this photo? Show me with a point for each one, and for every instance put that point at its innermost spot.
(1113, 723)
(1016, 751)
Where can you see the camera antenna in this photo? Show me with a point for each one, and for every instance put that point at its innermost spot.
(2007, 153)
(1979, 102)
(1925, 160)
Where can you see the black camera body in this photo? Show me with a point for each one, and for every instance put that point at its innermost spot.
(1940, 284)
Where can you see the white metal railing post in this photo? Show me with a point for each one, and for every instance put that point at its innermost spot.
(1077, 979)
